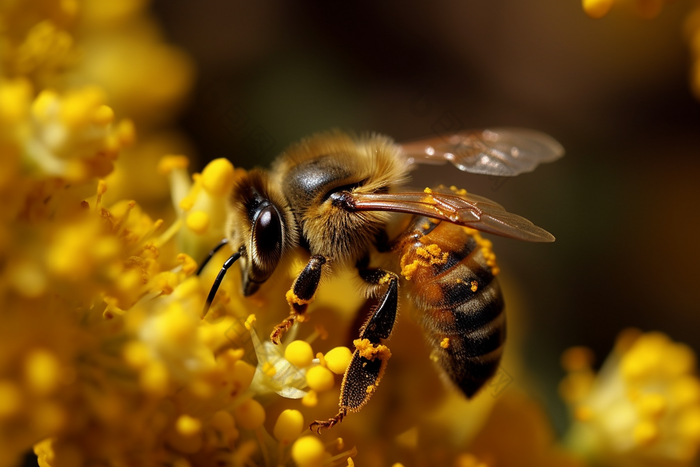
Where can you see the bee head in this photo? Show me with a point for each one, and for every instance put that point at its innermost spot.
(261, 221)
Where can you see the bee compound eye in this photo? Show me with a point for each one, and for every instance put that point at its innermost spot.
(267, 234)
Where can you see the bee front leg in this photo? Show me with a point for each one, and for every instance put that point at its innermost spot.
(370, 357)
(300, 295)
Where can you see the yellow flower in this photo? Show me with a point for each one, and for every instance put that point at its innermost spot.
(643, 407)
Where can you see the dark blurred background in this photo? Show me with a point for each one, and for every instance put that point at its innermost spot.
(615, 92)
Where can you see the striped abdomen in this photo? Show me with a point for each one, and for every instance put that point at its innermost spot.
(449, 272)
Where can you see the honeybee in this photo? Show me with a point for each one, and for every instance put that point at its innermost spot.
(335, 196)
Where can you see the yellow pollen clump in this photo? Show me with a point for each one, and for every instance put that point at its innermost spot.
(474, 286)
(198, 222)
(42, 371)
(292, 299)
(460, 192)
(289, 425)
(308, 451)
(249, 415)
(319, 378)
(299, 353)
(371, 351)
(370, 389)
(188, 426)
(445, 343)
(338, 359)
(428, 255)
(217, 177)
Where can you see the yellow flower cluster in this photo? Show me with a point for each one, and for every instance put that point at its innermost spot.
(643, 407)
(105, 357)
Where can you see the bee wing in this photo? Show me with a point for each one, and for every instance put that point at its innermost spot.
(499, 151)
(463, 209)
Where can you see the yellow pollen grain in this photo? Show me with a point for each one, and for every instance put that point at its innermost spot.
(445, 343)
(217, 177)
(188, 426)
(597, 8)
(370, 389)
(320, 378)
(198, 222)
(308, 451)
(474, 286)
(42, 371)
(169, 163)
(299, 353)
(338, 359)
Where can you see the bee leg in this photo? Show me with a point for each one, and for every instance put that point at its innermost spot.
(370, 357)
(300, 295)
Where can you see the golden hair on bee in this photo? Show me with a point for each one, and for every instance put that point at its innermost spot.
(314, 168)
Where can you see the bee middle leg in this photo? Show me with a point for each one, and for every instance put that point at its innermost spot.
(300, 295)
(370, 357)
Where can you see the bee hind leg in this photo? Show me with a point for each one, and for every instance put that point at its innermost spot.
(370, 357)
(300, 295)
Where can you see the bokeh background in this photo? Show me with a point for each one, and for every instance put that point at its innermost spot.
(616, 92)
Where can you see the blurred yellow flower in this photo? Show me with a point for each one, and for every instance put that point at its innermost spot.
(643, 406)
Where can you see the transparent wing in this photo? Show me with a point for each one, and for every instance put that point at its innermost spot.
(499, 151)
(463, 209)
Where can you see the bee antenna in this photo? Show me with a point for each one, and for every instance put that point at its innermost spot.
(210, 255)
(220, 277)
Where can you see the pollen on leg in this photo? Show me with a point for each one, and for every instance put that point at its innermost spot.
(445, 343)
(372, 351)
